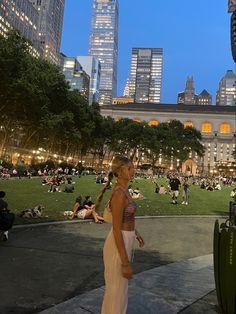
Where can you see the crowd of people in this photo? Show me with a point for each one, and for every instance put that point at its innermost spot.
(61, 180)
(177, 183)
(55, 183)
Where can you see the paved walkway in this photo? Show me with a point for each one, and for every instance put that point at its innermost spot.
(58, 268)
(164, 290)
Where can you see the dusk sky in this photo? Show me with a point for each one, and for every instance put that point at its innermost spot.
(195, 37)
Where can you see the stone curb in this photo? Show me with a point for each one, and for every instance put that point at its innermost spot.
(40, 224)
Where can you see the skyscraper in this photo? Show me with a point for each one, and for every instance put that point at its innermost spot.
(92, 67)
(145, 81)
(51, 14)
(75, 75)
(22, 16)
(226, 95)
(104, 45)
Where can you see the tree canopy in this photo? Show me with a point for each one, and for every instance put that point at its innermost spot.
(38, 109)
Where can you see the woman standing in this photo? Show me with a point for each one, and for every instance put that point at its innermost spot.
(120, 240)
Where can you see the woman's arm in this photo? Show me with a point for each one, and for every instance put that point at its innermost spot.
(117, 207)
(139, 238)
(75, 209)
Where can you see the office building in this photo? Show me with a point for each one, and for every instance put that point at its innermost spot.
(91, 65)
(75, 75)
(226, 94)
(104, 45)
(145, 82)
(51, 14)
(204, 98)
(21, 15)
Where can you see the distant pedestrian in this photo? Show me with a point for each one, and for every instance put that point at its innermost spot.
(186, 190)
(174, 187)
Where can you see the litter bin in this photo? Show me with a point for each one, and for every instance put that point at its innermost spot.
(225, 262)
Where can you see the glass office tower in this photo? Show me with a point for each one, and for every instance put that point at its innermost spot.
(145, 81)
(51, 13)
(104, 45)
(92, 67)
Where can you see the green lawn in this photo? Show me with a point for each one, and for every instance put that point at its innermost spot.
(27, 193)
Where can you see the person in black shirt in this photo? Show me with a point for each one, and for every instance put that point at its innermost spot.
(174, 187)
(6, 218)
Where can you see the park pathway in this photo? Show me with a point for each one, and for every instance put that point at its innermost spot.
(166, 289)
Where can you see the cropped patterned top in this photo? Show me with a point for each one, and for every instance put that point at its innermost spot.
(130, 209)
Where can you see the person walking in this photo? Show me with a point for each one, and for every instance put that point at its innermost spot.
(117, 251)
(174, 187)
(185, 195)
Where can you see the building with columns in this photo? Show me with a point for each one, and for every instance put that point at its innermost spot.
(216, 123)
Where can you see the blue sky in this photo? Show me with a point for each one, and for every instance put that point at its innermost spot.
(195, 38)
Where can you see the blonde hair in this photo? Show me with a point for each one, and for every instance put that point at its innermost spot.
(117, 163)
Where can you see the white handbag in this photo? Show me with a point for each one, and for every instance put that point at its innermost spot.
(107, 215)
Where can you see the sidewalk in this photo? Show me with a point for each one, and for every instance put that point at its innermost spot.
(58, 268)
(165, 290)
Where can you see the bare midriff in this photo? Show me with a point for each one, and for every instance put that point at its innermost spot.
(128, 226)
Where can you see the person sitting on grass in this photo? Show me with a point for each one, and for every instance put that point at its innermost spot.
(137, 194)
(88, 204)
(69, 188)
(131, 191)
(82, 212)
(233, 195)
(162, 190)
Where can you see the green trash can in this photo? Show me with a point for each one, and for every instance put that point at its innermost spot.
(225, 262)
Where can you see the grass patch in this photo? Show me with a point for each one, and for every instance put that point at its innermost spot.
(27, 193)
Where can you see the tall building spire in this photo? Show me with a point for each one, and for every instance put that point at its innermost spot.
(104, 45)
(189, 91)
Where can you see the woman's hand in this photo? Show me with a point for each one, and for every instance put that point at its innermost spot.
(127, 271)
(140, 240)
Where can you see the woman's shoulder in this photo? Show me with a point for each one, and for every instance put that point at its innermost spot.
(119, 191)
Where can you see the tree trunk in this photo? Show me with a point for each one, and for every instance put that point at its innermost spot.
(3, 143)
(28, 138)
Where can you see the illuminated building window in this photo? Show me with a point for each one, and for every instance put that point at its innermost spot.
(206, 127)
(225, 128)
(188, 123)
(153, 122)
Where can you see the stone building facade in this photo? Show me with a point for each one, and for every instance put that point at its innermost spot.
(216, 123)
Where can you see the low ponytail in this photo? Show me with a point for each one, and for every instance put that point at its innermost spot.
(106, 187)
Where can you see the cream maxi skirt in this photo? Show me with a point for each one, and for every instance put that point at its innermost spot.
(115, 299)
